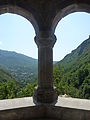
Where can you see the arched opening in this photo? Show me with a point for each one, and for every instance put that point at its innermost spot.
(18, 57)
(71, 74)
(71, 31)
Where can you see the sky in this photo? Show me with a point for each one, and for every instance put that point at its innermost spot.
(17, 34)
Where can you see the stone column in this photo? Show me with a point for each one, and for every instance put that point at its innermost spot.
(45, 92)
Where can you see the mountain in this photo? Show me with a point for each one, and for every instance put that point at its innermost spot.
(4, 75)
(9, 87)
(80, 54)
(72, 74)
(19, 65)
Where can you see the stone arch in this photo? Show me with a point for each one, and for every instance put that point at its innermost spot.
(68, 10)
(20, 11)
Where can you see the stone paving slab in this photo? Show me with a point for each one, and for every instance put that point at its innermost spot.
(16, 103)
(73, 103)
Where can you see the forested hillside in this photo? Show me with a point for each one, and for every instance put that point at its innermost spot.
(8, 85)
(22, 67)
(72, 74)
(10, 88)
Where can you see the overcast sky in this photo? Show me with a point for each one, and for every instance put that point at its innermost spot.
(17, 34)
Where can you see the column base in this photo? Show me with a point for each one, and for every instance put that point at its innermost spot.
(45, 96)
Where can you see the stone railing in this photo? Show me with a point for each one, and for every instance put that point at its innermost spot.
(65, 109)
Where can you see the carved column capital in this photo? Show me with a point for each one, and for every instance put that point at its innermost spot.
(45, 39)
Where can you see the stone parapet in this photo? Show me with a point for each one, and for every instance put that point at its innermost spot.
(64, 109)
